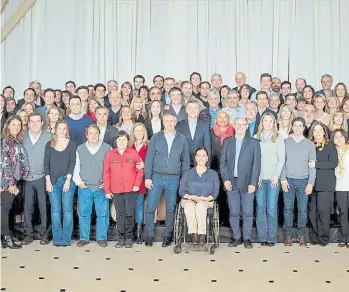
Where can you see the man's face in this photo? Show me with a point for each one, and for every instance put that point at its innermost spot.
(233, 100)
(276, 84)
(102, 116)
(100, 92)
(176, 98)
(213, 101)
(251, 111)
(35, 124)
(49, 98)
(240, 79)
(92, 136)
(300, 84)
(155, 94)
(326, 83)
(274, 102)
(112, 86)
(169, 83)
(298, 128)
(114, 99)
(70, 87)
(216, 82)
(10, 105)
(36, 86)
(265, 83)
(83, 94)
(138, 83)
(91, 91)
(159, 82)
(8, 93)
(241, 126)
(285, 89)
(193, 110)
(187, 90)
(29, 96)
(204, 89)
(75, 106)
(262, 101)
(169, 123)
(195, 80)
(308, 113)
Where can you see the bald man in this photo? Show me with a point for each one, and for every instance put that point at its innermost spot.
(241, 79)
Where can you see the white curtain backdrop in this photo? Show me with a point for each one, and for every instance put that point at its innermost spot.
(92, 41)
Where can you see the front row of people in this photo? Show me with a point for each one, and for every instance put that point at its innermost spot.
(304, 168)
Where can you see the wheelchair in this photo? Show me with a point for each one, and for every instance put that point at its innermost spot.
(212, 229)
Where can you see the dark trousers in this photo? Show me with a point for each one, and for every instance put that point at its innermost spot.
(343, 206)
(236, 201)
(125, 205)
(6, 205)
(319, 214)
(32, 188)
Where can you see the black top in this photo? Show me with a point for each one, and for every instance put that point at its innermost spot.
(216, 151)
(59, 163)
(113, 117)
(327, 161)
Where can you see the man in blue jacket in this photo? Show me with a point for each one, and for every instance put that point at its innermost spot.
(167, 160)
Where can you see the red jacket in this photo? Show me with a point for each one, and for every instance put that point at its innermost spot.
(92, 116)
(142, 153)
(120, 174)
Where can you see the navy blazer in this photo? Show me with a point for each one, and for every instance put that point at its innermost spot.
(110, 135)
(201, 137)
(249, 164)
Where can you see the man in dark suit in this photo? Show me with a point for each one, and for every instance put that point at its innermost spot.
(29, 97)
(49, 97)
(251, 115)
(108, 132)
(240, 167)
(196, 131)
(262, 102)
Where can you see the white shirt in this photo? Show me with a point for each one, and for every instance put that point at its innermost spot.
(102, 134)
(192, 127)
(156, 125)
(177, 109)
(76, 117)
(34, 139)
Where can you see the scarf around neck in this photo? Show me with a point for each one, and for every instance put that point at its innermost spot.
(229, 131)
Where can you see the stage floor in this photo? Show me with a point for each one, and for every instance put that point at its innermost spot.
(95, 269)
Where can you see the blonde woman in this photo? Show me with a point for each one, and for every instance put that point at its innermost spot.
(320, 115)
(59, 163)
(53, 116)
(125, 121)
(138, 110)
(24, 117)
(338, 121)
(272, 162)
(332, 105)
(154, 122)
(285, 118)
(29, 108)
(139, 142)
(340, 139)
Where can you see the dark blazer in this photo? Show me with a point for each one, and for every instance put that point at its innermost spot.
(326, 163)
(149, 128)
(251, 91)
(106, 101)
(22, 101)
(249, 164)
(182, 114)
(110, 134)
(201, 137)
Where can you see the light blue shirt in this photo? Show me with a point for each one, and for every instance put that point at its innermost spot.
(251, 127)
(192, 127)
(237, 154)
(239, 112)
(213, 114)
(169, 140)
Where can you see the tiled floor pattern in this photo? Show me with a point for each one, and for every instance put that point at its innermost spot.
(72, 269)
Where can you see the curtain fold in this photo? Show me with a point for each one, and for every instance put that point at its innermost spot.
(96, 40)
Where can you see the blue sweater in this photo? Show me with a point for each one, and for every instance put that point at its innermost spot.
(77, 128)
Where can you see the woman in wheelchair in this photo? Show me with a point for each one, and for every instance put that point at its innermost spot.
(199, 188)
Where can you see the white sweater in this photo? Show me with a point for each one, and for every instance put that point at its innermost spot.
(342, 183)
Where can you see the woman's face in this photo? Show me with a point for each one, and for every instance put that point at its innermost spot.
(15, 127)
(58, 97)
(318, 133)
(268, 123)
(340, 91)
(319, 104)
(138, 132)
(201, 158)
(224, 92)
(121, 143)
(53, 115)
(137, 105)
(28, 108)
(155, 109)
(245, 93)
(339, 139)
(143, 94)
(126, 90)
(24, 117)
(92, 106)
(62, 130)
(346, 107)
(332, 102)
(126, 114)
(308, 94)
(285, 113)
(222, 120)
(65, 98)
(338, 118)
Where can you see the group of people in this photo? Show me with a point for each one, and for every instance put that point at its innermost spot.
(192, 141)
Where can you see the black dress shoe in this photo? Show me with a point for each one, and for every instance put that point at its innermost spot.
(149, 241)
(323, 244)
(235, 243)
(264, 244)
(271, 244)
(8, 242)
(167, 241)
(248, 244)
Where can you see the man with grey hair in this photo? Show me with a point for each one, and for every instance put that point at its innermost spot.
(187, 91)
(209, 114)
(233, 109)
(326, 83)
(240, 79)
(216, 81)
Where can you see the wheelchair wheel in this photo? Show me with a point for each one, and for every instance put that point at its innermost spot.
(178, 226)
(177, 249)
(215, 225)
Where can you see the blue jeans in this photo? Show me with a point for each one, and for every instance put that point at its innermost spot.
(170, 186)
(59, 199)
(86, 199)
(297, 189)
(267, 202)
(140, 209)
